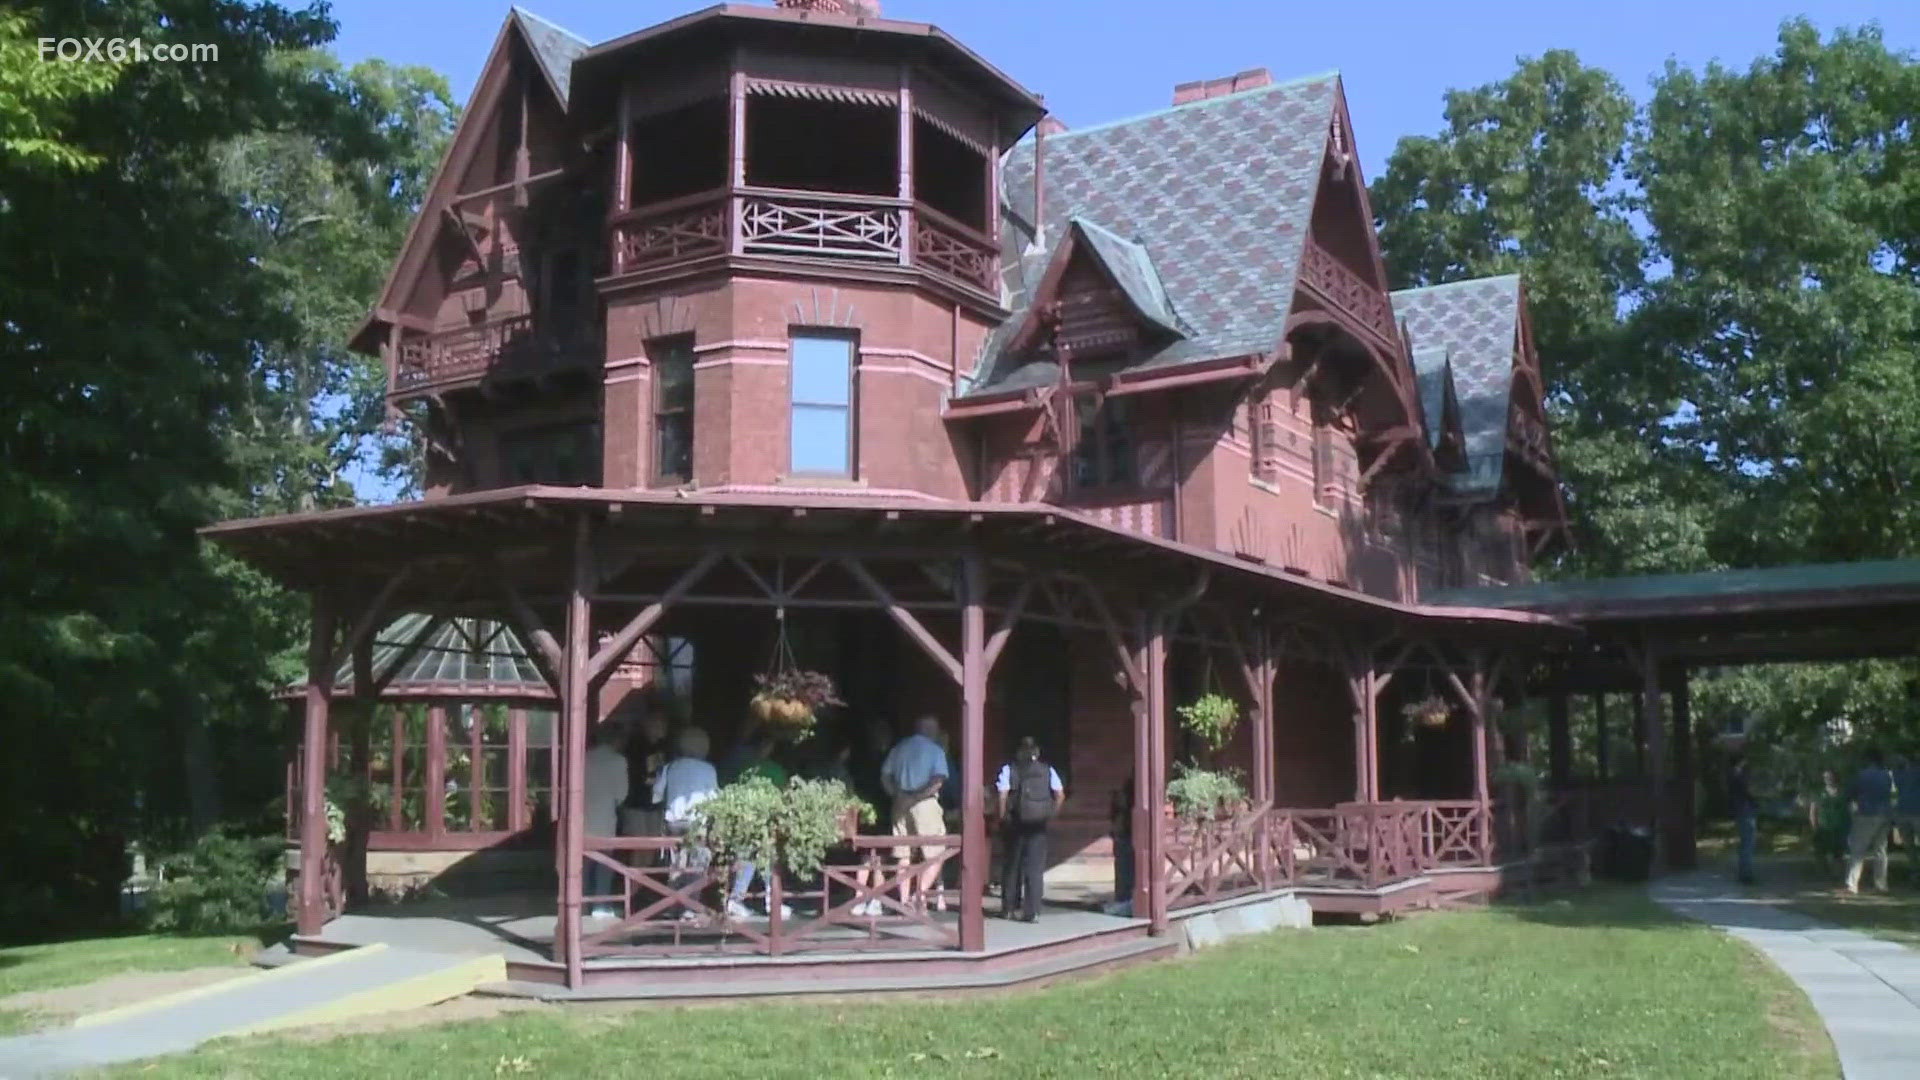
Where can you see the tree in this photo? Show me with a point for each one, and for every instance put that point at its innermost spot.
(1782, 198)
(137, 317)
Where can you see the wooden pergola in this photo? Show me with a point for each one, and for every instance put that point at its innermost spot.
(584, 575)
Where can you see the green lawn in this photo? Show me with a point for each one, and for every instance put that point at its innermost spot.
(1601, 986)
(25, 968)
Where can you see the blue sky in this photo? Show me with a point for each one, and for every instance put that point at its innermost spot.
(1096, 61)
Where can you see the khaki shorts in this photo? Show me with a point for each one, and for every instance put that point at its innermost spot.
(921, 819)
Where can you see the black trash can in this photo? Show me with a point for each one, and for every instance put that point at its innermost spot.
(1626, 854)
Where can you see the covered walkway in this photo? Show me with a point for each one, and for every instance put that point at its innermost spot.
(1645, 635)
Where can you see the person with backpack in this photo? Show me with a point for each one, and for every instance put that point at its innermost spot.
(1029, 795)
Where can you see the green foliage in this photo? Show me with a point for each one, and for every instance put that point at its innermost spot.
(217, 886)
(1211, 719)
(755, 820)
(1204, 794)
(187, 240)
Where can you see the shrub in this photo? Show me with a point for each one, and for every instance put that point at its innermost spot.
(217, 886)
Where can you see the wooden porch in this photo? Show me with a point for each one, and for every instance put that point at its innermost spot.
(584, 576)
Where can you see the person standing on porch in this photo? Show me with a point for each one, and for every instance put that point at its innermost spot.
(913, 774)
(606, 789)
(1872, 798)
(1746, 812)
(1034, 790)
(1120, 813)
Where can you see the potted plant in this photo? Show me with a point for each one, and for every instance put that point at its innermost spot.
(1200, 795)
(792, 827)
(1430, 711)
(791, 698)
(1211, 719)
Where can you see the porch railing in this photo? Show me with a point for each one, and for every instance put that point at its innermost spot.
(1352, 845)
(869, 229)
(669, 905)
(1337, 284)
(510, 345)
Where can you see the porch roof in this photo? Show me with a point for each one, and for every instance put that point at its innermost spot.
(358, 549)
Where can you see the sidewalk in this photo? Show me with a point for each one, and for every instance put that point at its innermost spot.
(1867, 991)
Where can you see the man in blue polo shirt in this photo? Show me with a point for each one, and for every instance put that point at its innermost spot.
(913, 774)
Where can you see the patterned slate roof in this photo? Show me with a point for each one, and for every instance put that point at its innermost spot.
(553, 47)
(1433, 378)
(1475, 322)
(1218, 192)
(477, 656)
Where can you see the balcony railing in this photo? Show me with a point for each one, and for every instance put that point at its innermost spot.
(509, 347)
(1323, 272)
(866, 229)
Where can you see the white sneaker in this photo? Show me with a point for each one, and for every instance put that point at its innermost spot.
(785, 912)
(866, 909)
(738, 910)
(690, 917)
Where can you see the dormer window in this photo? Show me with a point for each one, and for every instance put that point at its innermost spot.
(1103, 451)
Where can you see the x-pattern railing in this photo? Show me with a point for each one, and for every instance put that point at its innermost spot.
(1217, 860)
(673, 903)
(1374, 844)
(802, 226)
(672, 233)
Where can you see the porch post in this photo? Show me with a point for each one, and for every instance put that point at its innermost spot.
(973, 744)
(1684, 854)
(1146, 804)
(1480, 791)
(1559, 740)
(311, 912)
(576, 690)
(1262, 718)
(1653, 737)
(1154, 870)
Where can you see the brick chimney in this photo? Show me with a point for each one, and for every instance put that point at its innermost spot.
(1251, 79)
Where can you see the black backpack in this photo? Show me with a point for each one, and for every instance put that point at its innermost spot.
(1033, 793)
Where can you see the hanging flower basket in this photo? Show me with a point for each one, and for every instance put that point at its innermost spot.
(1429, 712)
(789, 700)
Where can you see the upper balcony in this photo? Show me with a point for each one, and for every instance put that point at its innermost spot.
(866, 230)
(506, 348)
(789, 155)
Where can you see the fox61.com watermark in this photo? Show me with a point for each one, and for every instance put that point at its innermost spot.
(125, 50)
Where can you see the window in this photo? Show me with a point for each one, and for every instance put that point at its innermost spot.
(821, 375)
(553, 454)
(1103, 452)
(1263, 432)
(1325, 479)
(672, 360)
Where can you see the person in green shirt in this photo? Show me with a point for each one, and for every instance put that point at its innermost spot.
(756, 759)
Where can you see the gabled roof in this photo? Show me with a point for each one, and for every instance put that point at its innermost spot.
(554, 49)
(1219, 193)
(1475, 322)
(1132, 269)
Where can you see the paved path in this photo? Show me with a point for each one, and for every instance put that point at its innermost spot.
(1866, 990)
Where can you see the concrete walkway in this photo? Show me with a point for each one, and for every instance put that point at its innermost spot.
(1867, 991)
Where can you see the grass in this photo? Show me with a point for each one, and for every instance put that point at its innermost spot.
(1602, 985)
(25, 968)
